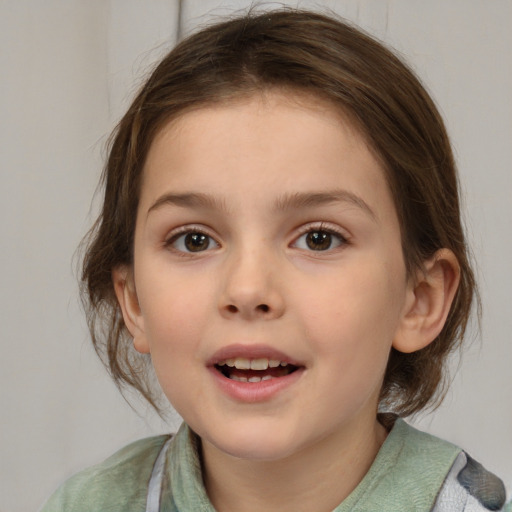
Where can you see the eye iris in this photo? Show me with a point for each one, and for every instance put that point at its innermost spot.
(195, 242)
(319, 240)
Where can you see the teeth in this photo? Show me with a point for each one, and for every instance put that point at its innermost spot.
(251, 379)
(259, 364)
(243, 363)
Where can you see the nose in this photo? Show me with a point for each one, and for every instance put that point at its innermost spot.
(251, 289)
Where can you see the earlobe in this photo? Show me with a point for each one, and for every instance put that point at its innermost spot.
(126, 294)
(429, 301)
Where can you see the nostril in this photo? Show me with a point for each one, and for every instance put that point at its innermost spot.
(261, 308)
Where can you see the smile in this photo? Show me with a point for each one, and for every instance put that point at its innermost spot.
(242, 369)
(254, 373)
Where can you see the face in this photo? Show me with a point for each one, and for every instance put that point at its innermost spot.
(268, 281)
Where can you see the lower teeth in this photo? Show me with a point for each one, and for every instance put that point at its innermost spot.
(250, 379)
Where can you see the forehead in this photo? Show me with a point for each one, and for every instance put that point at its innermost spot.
(263, 145)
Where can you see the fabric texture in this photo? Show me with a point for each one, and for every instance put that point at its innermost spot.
(407, 475)
(470, 487)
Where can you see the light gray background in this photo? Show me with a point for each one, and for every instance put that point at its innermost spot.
(68, 69)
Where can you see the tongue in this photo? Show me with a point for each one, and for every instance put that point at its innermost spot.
(280, 371)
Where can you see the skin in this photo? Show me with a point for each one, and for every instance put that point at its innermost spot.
(336, 312)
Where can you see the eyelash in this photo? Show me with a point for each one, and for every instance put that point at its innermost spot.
(322, 228)
(182, 233)
(308, 229)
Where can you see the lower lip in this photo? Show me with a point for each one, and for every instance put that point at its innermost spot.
(251, 392)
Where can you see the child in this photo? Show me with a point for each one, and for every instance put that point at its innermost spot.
(281, 240)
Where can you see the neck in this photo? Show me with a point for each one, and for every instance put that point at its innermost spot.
(318, 477)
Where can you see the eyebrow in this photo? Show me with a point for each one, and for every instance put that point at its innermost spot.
(189, 200)
(310, 199)
(289, 201)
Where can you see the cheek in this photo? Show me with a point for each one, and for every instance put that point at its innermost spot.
(175, 317)
(354, 314)
(175, 309)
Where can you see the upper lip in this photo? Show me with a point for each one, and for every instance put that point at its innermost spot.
(250, 352)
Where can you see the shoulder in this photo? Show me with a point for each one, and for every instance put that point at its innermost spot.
(410, 472)
(464, 483)
(406, 474)
(469, 486)
(119, 483)
(420, 452)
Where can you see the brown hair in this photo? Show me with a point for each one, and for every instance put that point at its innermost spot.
(327, 58)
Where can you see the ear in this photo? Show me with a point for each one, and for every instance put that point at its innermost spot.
(124, 286)
(428, 303)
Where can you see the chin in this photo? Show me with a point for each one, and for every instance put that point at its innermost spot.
(254, 443)
(256, 451)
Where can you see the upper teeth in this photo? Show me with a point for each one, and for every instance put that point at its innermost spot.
(243, 363)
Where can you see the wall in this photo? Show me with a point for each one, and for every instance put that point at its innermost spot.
(69, 68)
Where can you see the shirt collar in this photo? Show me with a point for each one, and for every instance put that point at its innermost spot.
(409, 469)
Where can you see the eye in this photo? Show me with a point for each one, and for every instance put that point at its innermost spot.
(192, 241)
(319, 240)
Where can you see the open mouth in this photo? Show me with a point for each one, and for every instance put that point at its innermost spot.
(254, 370)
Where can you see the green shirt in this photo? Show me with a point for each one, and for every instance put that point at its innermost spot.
(406, 475)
